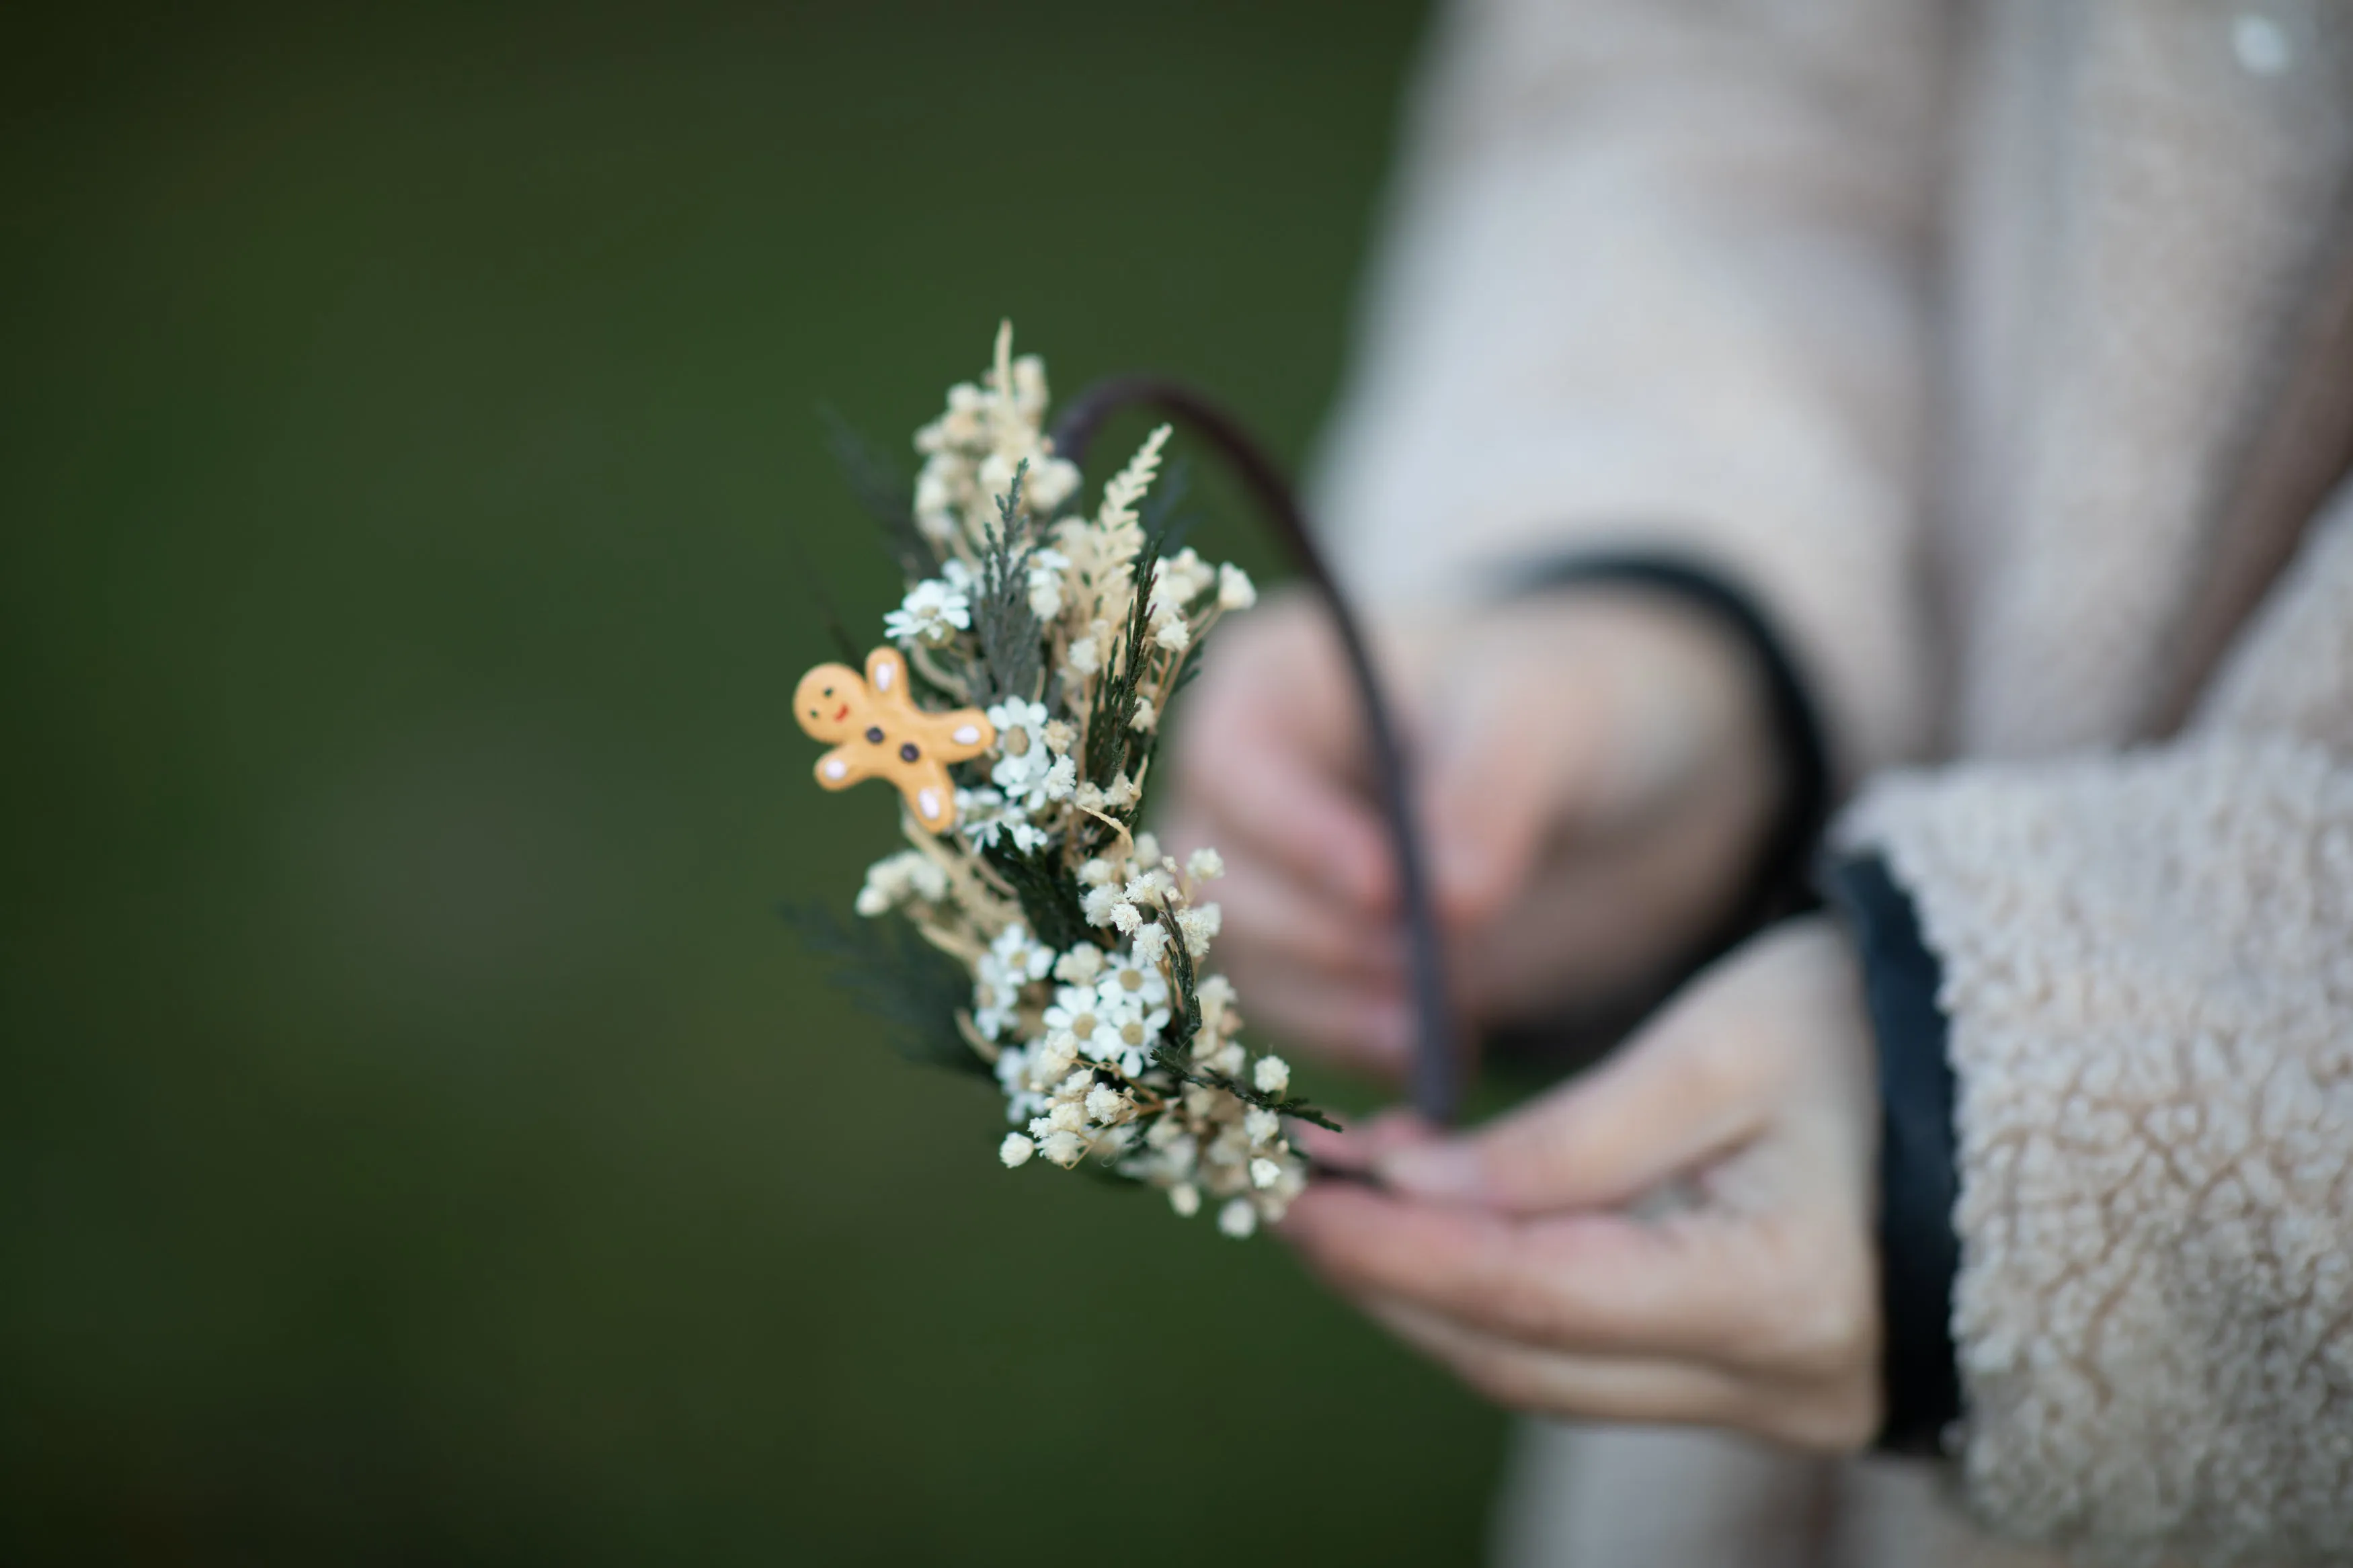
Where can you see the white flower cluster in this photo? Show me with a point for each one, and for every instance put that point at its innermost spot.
(1086, 944)
(972, 450)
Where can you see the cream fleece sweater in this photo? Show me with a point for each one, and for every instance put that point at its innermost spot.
(1970, 341)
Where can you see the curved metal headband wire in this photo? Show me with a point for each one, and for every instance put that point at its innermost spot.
(1437, 1065)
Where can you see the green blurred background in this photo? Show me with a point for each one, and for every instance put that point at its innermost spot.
(421, 1141)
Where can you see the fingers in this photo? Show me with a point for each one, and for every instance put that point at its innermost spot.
(1502, 774)
(1284, 921)
(1274, 799)
(1363, 1143)
(1269, 754)
(1602, 1388)
(1592, 1284)
(1680, 1093)
(1341, 1020)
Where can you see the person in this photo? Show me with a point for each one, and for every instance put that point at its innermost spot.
(1984, 375)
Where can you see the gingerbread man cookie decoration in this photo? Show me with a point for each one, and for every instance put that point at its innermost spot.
(880, 733)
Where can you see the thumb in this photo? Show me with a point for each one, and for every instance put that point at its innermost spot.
(1667, 1102)
(1502, 764)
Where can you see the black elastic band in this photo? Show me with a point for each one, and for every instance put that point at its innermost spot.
(1919, 1250)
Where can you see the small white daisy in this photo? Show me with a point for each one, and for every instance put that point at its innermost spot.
(1075, 1014)
(1023, 759)
(932, 612)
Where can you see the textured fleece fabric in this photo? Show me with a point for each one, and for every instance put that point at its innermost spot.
(1949, 330)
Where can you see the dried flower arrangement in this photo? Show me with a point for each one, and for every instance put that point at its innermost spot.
(1018, 710)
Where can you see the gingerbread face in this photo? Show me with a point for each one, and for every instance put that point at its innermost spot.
(827, 698)
(878, 733)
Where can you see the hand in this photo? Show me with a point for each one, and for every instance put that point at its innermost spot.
(1526, 1257)
(1597, 778)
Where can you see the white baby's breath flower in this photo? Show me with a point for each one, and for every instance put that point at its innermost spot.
(1102, 907)
(1016, 1150)
(1186, 1199)
(1067, 1116)
(1124, 917)
(1264, 1172)
(1147, 716)
(1107, 1105)
(1061, 780)
(1053, 481)
(1205, 864)
(1065, 1149)
(931, 613)
(1229, 1059)
(1272, 1075)
(995, 477)
(1045, 583)
(1174, 636)
(1235, 590)
(1029, 377)
(938, 495)
(1149, 944)
(1262, 1126)
(1054, 1058)
(1238, 1219)
(1200, 925)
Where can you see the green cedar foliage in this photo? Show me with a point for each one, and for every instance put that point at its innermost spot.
(1002, 621)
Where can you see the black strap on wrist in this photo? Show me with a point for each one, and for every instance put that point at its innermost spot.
(1919, 1249)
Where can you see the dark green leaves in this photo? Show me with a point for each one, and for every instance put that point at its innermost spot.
(886, 494)
(1050, 903)
(891, 972)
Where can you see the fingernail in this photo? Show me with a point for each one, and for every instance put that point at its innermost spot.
(1447, 1170)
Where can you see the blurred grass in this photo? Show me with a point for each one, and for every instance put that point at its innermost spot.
(421, 1141)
